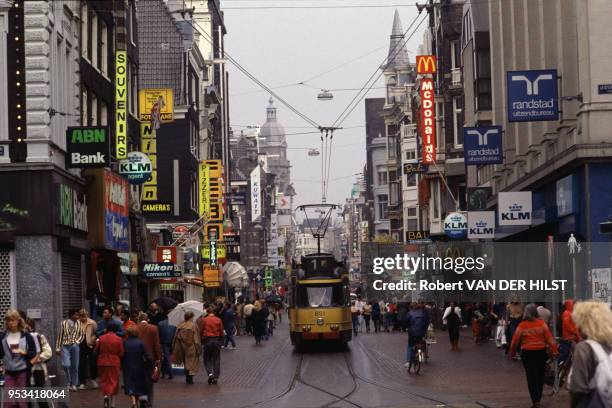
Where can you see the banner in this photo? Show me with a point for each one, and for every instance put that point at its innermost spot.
(116, 211)
(483, 145)
(120, 103)
(148, 143)
(283, 202)
(87, 147)
(156, 105)
(514, 208)
(256, 193)
(481, 224)
(532, 95)
(204, 189)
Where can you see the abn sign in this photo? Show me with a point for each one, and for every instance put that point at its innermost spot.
(426, 64)
(428, 121)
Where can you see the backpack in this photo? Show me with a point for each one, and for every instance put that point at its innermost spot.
(452, 318)
(602, 380)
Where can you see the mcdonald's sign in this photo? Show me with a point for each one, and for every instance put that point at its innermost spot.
(426, 64)
(428, 121)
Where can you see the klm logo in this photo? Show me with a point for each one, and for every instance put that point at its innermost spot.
(532, 86)
(482, 228)
(455, 223)
(515, 213)
(483, 138)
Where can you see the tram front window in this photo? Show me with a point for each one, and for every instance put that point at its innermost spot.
(320, 296)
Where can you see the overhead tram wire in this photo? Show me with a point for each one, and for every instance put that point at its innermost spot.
(394, 51)
(253, 78)
(377, 77)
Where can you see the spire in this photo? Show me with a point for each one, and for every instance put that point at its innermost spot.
(398, 54)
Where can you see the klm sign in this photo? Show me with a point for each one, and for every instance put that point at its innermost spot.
(515, 208)
(481, 224)
(532, 95)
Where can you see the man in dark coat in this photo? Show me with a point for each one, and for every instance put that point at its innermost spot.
(149, 335)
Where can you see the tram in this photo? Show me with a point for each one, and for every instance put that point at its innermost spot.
(319, 296)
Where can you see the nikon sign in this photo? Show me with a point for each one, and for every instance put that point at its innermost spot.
(136, 168)
(87, 147)
(160, 270)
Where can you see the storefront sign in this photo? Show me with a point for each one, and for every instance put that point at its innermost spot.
(157, 208)
(181, 232)
(532, 95)
(483, 145)
(148, 143)
(211, 276)
(160, 270)
(481, 224)
(428, 121)
(156, 102)
(602, 285)
(415, 168)
(205, 252)
(72, 208)
(116, 211)
(128, 262)
(166, 254)
(238, 199)
(87, 147)
(426, 64)
(256, 193)
(514, 207)
(136, 168)
(455, 225)
(121, 104)
(283, 202)
(417, 235)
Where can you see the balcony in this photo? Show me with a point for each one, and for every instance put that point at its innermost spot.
(408, 131)
(456, 78)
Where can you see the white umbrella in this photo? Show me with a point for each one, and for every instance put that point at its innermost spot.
(235, 275)
(177, 315)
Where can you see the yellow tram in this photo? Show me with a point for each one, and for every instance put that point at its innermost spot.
(319, 301)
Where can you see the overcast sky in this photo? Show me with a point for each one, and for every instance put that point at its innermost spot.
(287, 46)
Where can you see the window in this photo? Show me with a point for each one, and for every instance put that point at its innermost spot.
(412, 224)
(84, 32)
(435, 197)
(382, 199)
(411, 212)
(458, 121)
(404, 79)
(382, 176)
(455, 54)
(482, 81)
(103, 48)
(94, 110)
(411, 180)
(94, 40)
(103, 114)
(131, 23)
(84, 110)
(133, 96)
(410, 155)
(391, 147)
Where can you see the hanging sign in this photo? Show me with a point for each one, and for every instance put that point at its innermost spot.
(455, 225)
(532, 95)
(87, 147)
(514, 207)
(121, 104)
(428, 121)
(136, 168)
(481, 224)
(483, 145)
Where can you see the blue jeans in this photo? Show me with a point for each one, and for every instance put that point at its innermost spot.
(166, 367)
(70, 362)
(229, 336)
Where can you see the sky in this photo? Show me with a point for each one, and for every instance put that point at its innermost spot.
(282, 46)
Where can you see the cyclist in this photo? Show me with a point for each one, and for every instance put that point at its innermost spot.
(417, 322)
(569, 332)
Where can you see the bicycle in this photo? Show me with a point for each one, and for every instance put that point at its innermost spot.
(557, 372)
(418, 356)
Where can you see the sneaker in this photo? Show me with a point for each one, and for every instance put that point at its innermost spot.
(94, 384)
(233, 348)
(73, 388)
(407, 365)
(223, 347)
(214, 381)
(82, 387)
(210, 378)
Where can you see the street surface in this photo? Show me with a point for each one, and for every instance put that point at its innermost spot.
(369, 374)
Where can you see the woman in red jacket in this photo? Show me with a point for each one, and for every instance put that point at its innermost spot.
(535, 340)
(110, 351)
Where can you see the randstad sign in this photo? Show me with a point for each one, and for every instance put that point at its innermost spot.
(455, 225)
(87, 147)
(426, 64)
(514, 208)
(532, 95)
(136, 168)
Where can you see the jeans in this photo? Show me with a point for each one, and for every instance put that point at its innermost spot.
(565, 347)
(18, 380)
(70, 362)
(212, 356)
(355, 324)
(87, 364)
(534, 362)
(166, 367)
(229, 337)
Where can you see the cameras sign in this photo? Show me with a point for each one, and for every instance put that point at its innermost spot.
(532, 95)
(483, 145)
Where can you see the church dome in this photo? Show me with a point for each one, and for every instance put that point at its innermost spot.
(272, 131)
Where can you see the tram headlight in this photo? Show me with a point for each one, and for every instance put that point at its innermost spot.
(306, 328)
(334, 327)
(320, 321)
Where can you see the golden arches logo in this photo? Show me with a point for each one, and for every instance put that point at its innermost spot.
(426, 64)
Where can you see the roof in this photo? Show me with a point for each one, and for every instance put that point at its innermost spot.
(272, 131)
